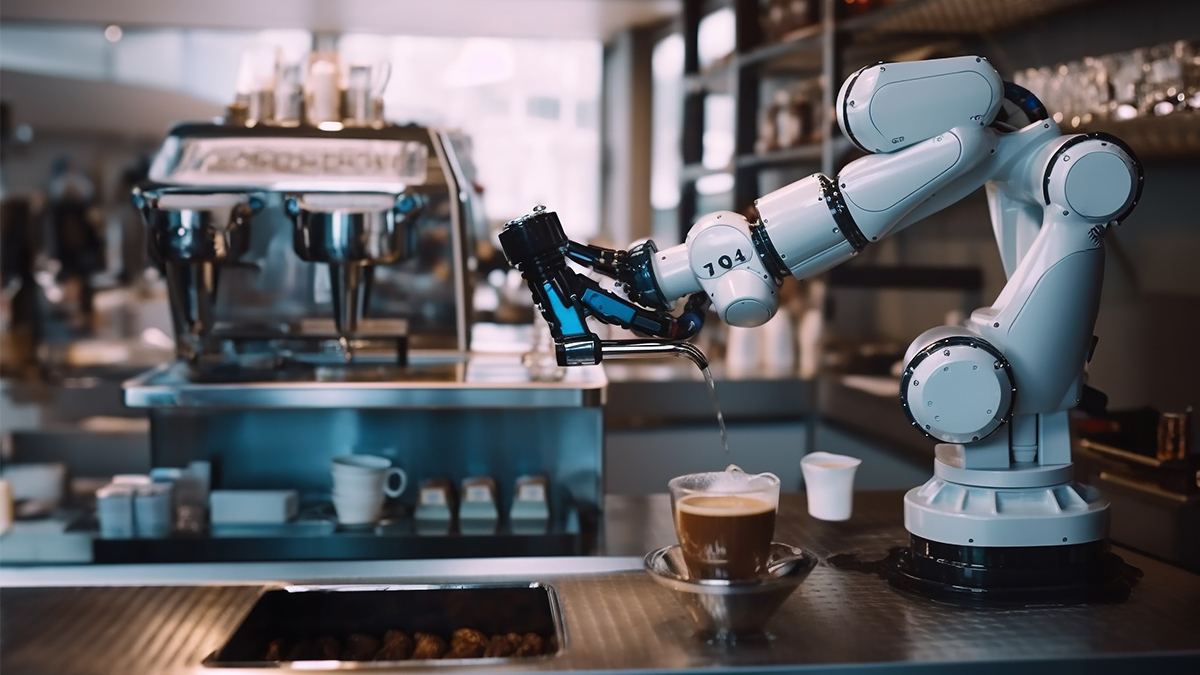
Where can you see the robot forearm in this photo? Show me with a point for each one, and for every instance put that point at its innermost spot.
(817, 223)
(929, 125)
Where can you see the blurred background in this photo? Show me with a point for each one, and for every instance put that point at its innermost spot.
(630, 118)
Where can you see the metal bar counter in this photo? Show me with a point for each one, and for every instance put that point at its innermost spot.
(479, 381)
(167, 619)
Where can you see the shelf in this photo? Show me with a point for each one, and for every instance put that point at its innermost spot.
(806, 41)
(953, 17)
(901, 30)
(805, 154)
(801, 50)
(1170, 136)
(717, 79)
(693, 172)
(785, 157)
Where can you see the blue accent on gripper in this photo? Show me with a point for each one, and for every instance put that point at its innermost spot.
(603, 304)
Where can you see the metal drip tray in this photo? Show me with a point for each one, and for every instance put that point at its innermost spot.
(311, 626)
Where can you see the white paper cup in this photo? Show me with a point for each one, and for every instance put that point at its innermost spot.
(829, 483)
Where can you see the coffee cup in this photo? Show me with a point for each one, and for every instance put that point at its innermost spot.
(829, 484)
(725, 521)
(360, 484)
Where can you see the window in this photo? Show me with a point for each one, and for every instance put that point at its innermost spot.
(666, 130)
(531, 107)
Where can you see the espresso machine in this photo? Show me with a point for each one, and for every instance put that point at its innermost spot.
(280, 235)
(319, 264)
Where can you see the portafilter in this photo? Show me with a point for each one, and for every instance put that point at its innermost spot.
(191, 235)
(352, 233)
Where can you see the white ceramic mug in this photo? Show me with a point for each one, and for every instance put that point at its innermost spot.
(360, 483)
(829, 483)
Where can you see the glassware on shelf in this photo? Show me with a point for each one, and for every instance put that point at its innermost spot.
(768, 129)
(1149, 81)
(364, 92)
(255, 88)
(789, 120)
(289, 94)
(323, 90)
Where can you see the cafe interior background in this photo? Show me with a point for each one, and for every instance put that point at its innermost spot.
(630, 119)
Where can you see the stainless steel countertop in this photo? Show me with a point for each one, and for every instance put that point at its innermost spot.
(839, 620)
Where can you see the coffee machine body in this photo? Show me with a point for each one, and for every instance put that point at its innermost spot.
(297, 235)
(320, 281)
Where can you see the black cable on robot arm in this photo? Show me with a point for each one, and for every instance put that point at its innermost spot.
(609, 262)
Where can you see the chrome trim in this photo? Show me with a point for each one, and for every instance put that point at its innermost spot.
(448, 159)
(485, 384)
(630, 349)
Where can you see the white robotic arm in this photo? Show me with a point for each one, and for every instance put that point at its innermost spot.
(817, 223)
(996, 391)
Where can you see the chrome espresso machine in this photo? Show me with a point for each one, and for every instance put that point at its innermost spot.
(319, 264)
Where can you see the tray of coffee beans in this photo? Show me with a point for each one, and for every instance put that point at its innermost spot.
(397, 625)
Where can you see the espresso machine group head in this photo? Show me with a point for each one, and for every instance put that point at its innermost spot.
(192, 236)
(352, 233)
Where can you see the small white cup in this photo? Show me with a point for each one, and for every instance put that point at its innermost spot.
(360, 483)
(114, 509)
(7, 508)
(829, 483)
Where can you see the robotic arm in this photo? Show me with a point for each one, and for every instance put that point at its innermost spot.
(935, 131)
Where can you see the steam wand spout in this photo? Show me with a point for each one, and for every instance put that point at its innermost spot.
(631, 349)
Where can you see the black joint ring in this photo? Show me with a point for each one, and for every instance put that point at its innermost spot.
(841, 213)
(767, 253)
(643, 286)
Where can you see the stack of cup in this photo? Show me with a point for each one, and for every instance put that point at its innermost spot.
(114, 509)
(360, 484)
(153, 511)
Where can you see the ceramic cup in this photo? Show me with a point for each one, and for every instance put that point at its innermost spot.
(829, 483)
(360, 484)
(725, 521)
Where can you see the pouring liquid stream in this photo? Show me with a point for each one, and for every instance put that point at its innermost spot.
(712, 394)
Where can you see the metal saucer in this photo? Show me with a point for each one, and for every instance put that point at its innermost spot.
(725, 609)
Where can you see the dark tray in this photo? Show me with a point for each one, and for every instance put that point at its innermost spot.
(306, 612)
